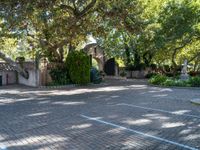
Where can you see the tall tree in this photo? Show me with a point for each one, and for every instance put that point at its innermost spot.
(179, 22)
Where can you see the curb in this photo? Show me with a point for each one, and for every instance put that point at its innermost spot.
(57, 87)
(67, 86)
(195, 101)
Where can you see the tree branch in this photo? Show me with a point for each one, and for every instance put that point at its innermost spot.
(68, 8)
(87, 8)
(196, 56)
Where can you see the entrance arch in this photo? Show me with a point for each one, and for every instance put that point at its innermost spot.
(96, 53)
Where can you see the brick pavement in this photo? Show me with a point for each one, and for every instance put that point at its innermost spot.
(46, 119)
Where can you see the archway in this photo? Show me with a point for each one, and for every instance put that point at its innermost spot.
(97, 55)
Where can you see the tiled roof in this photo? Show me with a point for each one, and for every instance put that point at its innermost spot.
(6, 67)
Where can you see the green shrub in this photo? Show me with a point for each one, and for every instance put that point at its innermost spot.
(78, 64)
(167, 68)
(169, 81)
(123, 74)
(60, 76)
(150, 75)
(158, 79)
(175, 82)
(153, 66)
(194, 81)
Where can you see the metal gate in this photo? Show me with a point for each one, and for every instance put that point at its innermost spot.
(0, 80)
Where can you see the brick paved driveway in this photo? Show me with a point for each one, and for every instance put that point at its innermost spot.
(114, 115)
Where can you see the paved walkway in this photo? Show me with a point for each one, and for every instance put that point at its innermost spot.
(113, 116)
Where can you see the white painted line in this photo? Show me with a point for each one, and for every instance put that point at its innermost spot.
(140, 133)
(159, 110)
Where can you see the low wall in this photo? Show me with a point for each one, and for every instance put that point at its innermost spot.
(33, 79)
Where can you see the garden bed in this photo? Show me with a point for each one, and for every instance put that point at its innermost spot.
(162, 80)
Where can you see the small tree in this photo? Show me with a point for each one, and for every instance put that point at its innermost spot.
(78, 64)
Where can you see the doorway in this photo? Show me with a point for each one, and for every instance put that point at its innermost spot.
(1, 83)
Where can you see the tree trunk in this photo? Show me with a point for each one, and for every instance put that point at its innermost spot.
(174, 62)
(16, 66)
(127, 52)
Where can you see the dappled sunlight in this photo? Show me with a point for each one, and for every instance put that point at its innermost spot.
(160, 95)
(186, 131)
(37, 141)
(138, 121)
(14, 100)
(172, 124)
(156, 116)
(51, 117)
(81, 126)
(115, 131)
(134, 143)
(38, 114)
(181, 112)
(157, 90)
(6, 101)
(2, 137)
(192, 137)
(68, 103)
(81, 91)
(137, 87)
(115, 96)
(90, 90)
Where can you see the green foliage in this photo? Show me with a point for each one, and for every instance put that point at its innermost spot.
(78, 64)
(133, 31)
(60, 76)
(150, 75)
(194, 81)
(158, 79)
(138, 67)
(95, 64)
(169, 81)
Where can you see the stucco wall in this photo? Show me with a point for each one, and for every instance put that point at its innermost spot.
(33, 78)
(12, 77)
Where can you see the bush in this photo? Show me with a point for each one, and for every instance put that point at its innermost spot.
(153, 66)
(175, 82)
(78, 64)
(60, 76)
(150, 75)
(167, 81)
(158, 79)
(167, 68)
(194, 81)
(123, 74)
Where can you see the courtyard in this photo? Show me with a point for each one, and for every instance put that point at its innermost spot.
(117, 114)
